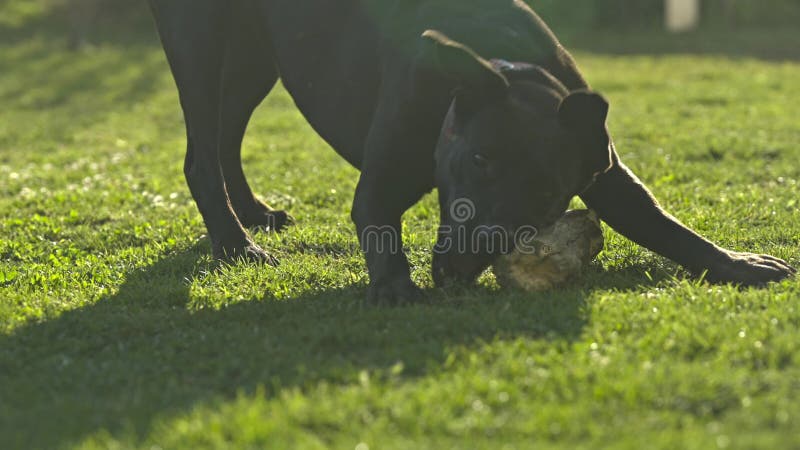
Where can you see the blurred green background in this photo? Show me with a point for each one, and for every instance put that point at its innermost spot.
(117, 330)
(87, 21)
(633, 14)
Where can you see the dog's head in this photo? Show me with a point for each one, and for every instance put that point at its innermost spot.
(515, 147)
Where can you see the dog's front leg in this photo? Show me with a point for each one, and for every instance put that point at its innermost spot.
(387, 188)
(377, 212)
(396, 171)
(623, 202)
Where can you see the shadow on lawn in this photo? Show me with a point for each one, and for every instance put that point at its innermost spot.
(130, 359)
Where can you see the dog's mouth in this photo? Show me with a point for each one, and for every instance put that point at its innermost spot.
(463, 268)
(469, 245)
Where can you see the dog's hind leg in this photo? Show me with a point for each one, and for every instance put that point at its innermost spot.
(248, 76)
(194, 34)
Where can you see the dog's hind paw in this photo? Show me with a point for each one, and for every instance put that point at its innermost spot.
(266, 220)
(250, 253)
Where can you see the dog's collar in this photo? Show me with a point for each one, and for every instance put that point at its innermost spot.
(527, 71)
(502, 66)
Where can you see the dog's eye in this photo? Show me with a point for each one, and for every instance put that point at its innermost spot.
(480, 160)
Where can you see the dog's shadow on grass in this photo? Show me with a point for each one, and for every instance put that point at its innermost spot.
(141, 355)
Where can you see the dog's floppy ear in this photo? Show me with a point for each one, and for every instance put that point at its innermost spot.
(463, 65)
(584, 114)
(583, 110)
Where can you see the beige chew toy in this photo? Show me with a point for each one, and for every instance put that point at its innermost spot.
(555, 255)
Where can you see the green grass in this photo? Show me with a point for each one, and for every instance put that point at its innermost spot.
(118, 331)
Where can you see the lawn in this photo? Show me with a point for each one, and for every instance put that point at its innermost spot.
(117, 330)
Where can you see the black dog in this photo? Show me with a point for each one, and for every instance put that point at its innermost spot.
(398, 88)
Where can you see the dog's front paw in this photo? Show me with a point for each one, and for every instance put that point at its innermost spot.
(749, 269)
(247, 251)
(396, 292)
